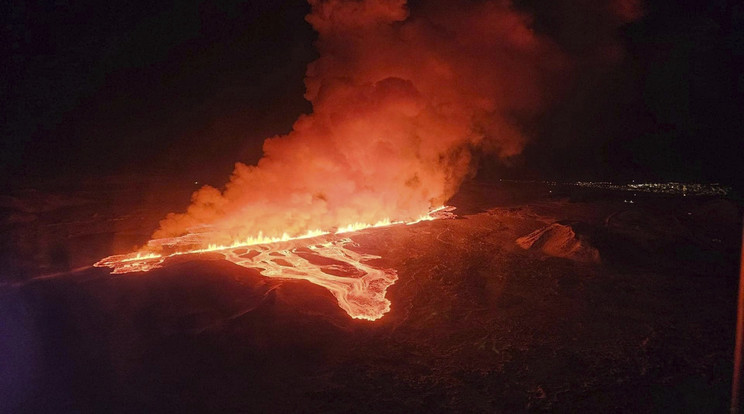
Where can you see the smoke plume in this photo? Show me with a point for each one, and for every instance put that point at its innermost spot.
(401, 103)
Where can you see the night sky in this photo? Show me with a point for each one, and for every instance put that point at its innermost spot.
(187, 88)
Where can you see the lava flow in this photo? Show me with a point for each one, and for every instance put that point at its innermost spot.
(404, 103)
(320, 257)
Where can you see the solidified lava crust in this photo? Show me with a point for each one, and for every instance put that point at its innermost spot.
(476, 323)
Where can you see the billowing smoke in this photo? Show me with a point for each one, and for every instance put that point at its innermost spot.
(401, 103)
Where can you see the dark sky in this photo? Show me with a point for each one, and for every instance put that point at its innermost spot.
(672, 109)
(188, 87)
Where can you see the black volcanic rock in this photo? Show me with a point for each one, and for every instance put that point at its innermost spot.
(477, 324)
(559, 240)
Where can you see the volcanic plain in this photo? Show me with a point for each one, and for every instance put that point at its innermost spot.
(536, 297)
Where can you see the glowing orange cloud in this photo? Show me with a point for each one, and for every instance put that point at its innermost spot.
(401, 103)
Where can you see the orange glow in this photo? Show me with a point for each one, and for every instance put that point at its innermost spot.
(398, 110)
(317, 256)
(400, 106)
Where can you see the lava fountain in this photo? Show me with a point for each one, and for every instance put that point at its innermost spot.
(403, 103)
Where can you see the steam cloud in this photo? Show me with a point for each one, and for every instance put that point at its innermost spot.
(401, 103)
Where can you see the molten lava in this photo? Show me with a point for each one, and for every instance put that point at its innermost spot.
(403, 102)
(320, 257)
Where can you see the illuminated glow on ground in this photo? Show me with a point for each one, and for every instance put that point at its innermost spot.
(324, 259)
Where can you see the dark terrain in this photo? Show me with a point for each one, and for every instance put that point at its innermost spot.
(478, 324)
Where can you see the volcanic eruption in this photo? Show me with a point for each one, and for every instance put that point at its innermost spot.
(331, 275)
(403, 104)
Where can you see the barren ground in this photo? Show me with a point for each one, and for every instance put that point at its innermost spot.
(477, 323)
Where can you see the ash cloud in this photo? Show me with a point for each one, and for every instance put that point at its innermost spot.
(403, 101)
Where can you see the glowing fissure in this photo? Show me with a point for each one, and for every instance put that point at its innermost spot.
(404, 101)
(319, 257)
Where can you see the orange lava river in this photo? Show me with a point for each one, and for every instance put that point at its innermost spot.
(323, 258)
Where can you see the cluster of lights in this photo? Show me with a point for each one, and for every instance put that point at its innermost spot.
(672, 188)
